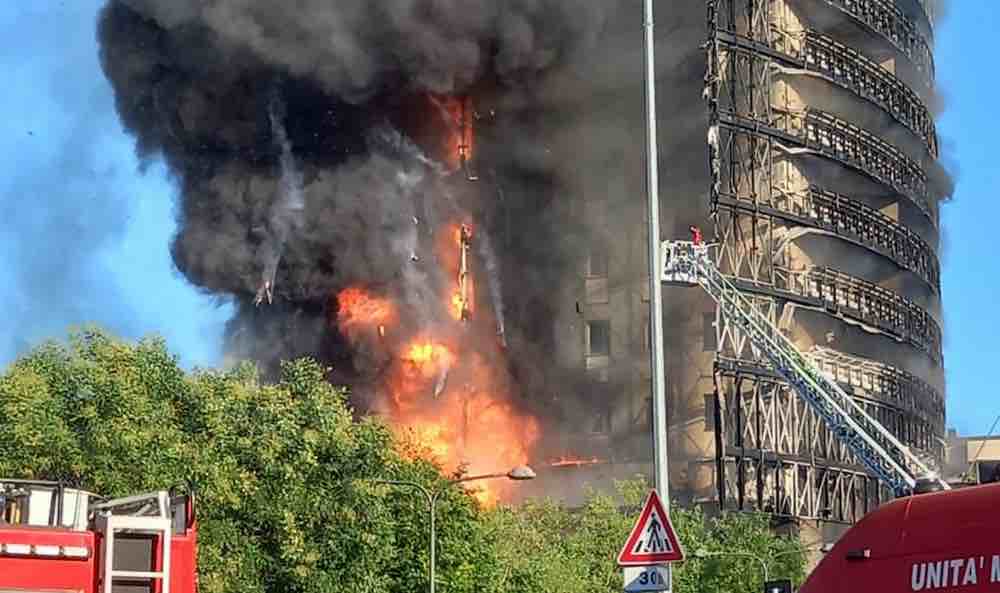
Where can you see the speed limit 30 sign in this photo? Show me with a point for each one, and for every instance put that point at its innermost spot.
(646, 578)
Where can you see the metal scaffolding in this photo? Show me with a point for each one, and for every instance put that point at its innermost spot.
(746, 144)
(885, 18)
(848, 219)
(813, 52)
(773, 453)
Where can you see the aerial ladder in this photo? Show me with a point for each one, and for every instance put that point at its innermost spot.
(690, 263)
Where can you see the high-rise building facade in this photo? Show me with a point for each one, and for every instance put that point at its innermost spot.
(799, 136)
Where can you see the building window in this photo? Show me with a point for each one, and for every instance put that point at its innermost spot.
(709, 412)
(709, 341)
(599, 338)
(597, 263)
(989, 471)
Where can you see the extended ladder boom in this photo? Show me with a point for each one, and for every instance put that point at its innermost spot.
(878, 449)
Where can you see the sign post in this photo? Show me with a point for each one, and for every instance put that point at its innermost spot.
(650, 545)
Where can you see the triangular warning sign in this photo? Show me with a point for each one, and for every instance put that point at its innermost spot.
(652, 539)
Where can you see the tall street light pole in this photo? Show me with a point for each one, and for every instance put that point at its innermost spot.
(655, 271)
(660, 475)
(519, 473)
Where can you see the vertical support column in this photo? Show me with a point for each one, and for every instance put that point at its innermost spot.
(107, 551)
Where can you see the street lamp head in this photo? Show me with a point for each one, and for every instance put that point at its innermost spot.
(521, 472)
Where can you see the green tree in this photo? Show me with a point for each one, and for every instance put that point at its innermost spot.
(281, 471)
(548, 548)
(284, 476)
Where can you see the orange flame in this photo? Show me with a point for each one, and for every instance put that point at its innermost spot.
(479, 434)
(569, 461)
(428, 358)
(360, 309)
(458, 306)
(467, 425)
(458, 114)
(447, 397)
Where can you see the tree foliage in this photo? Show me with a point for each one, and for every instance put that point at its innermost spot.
(548, 548)
(280, 470)
(285, 478)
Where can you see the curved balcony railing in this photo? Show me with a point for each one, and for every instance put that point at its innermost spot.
(852, 221)
(851, 70)
(859, 148)
(886, 20)
(844, 67)
(846, 143)
(929, 12)
(843, 295)
(872, 380)
(878, 232)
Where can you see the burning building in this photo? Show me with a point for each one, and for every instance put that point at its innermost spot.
(825, 194)
(444, 201)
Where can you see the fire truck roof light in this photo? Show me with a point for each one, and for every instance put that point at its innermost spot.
(46, 550)
(17, 549)
(50, 551)
(76, 552)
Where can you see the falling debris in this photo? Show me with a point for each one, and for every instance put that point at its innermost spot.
(264, 294)
(492, 268)
(464, 296)
(288, 208)
(441, 382)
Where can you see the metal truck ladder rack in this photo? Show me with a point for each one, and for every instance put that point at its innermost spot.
(685, 262)
(143, 514)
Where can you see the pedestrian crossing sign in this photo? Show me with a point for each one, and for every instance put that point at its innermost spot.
(652, 540)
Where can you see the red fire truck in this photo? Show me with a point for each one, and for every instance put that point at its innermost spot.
(941, 541)
(57, 538)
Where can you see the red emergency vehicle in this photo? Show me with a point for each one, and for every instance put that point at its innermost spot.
(941, 541)
(56, 538)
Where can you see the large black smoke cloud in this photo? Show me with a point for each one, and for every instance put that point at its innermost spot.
(355, 48)
(226, 90)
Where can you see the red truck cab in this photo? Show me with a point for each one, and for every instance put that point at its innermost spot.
(55, 538)
(941, 541)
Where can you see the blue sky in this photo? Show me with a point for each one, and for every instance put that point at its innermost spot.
(971, 271)
(84, 235)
